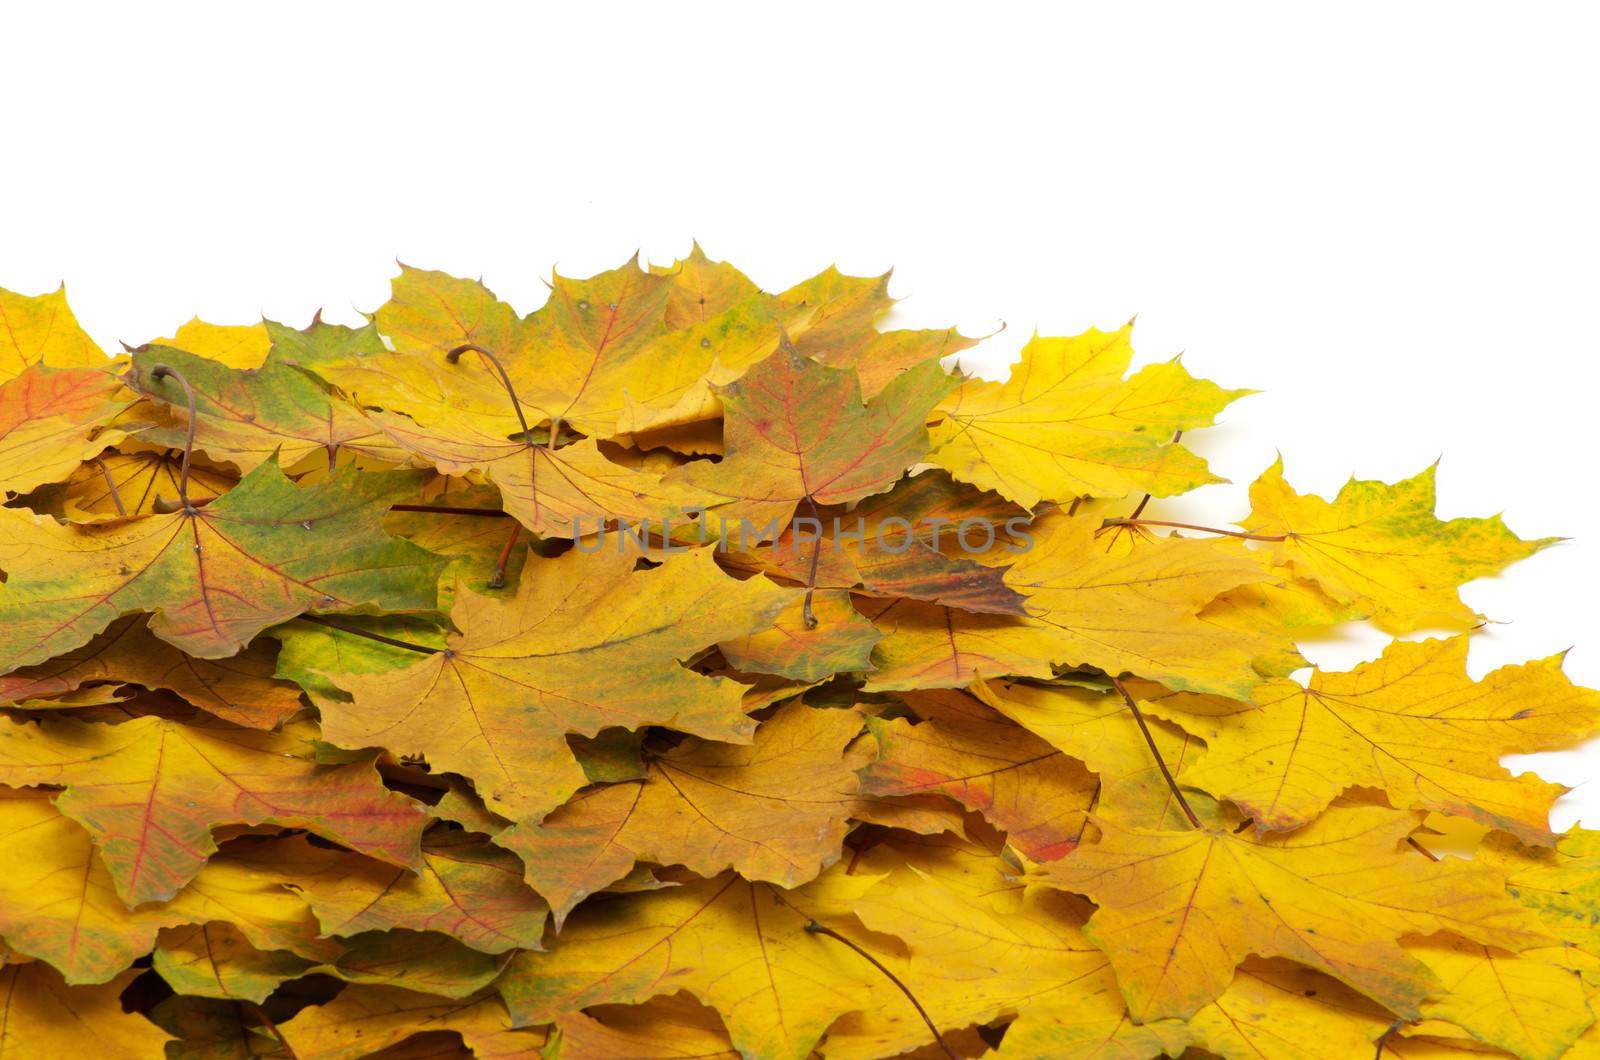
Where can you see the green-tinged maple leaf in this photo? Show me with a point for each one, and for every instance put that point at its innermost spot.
(1382, 546)
(246, 416)
(213, 577)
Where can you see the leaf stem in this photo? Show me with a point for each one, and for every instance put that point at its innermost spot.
(1131, 521)
(497, 577)
(379, 637)
(116, 498)
(1172, 783)
(1383, 1039)
(807, 615)
(814, 928)
(445, 509)
(161, 371)
(454, 357)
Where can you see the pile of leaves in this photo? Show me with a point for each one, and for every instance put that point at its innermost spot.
(686, 670)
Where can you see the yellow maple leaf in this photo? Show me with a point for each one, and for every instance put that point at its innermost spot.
(1411, 723)
(586, 644)
(1179, 910)
(40, 329)
(740, 947)
(774, 810)
(1067, 424)
(1381, 547)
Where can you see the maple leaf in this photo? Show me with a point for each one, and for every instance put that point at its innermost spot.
(738, 946)
(246, 416)
(1066, 424)
(1532, 1004)
(774, 810)
(798, 430)
(216, 959)
(1412, 723)
(548, 490)
(588, 643)
(962, 749)
(836, 640)
(670, 1027)
(241, 346)
(150, 791)
(1179, 910)
(240, 688)
(462, 886)
(213, 577)
(1382, 546)
(59, 904)
(363, 1020)
(1098, 729)
(1131, 610)
(133, 481)
(52, 419)
(42, 1016)
(40, 329)
(906, 538)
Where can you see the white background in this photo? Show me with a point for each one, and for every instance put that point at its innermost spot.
(1384, 216)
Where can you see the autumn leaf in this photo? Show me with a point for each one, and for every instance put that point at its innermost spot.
(1530, 1004)
(59, 903)
(1097, 728)
(240, 688)
(798, 430)
(40, 329)
(740, 947)
(1412, 723)
(217, 960)
(1067, 424)
(1179, 910)
(52, 419)
(964, 750)
(242, 346)
(364, 1020)
(1382, 545)
(149, 791)
(775, 811)
(246, 416)
(42, 1016)
(589, 643)
(671, 1027)
(460, 886)
(134, 480)
(838, 640)
(213, 577)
